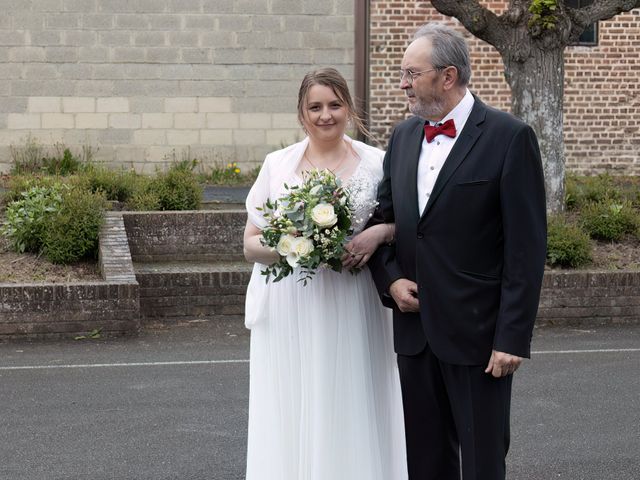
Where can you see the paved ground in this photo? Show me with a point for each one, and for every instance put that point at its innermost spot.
(172, 404)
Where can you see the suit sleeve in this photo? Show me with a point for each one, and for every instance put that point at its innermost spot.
(523, 205)
(383, 265)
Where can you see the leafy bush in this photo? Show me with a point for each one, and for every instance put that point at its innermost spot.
(18, 184)
(71, 232)
(27, 159)
(567, 244)
(143, 202)
(34, 158)
(26, 218)
(608, 220)
(64, 164)
(177, 189)
(581, 191)
(231, 174)
(115, 185)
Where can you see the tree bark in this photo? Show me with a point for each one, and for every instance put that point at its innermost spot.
(537, 91)
(534, 67)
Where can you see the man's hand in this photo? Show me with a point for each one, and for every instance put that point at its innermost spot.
(405, 294)
(502, 364)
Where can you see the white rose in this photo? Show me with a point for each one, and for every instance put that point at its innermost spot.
(292, 259)
(324, 215)
(300, 247)
(285, 244)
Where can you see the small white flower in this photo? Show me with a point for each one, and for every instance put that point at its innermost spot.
(315, 190)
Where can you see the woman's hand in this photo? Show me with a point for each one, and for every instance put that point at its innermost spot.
(254, 251)
(363, 245)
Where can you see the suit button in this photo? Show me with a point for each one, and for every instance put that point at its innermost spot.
(420, 235)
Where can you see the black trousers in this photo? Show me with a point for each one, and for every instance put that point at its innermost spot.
(451, 410)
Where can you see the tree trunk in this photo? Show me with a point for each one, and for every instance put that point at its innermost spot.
(537, 88)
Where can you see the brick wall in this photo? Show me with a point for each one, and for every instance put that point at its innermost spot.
(144, 79)
(189, 264)
(602, 93)
(589, 298)
(66, 310)
(205, 236)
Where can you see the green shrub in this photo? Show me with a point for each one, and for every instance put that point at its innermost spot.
(177, 189)
(28, 158)
(231, 174)
(572, 194)
(18, 184)
(567, 244)
(72, 231)
(608, 220)
(26, 218)
(116, 185)
(581, 191)
(34, 158)
(65, 163)
(143, 202)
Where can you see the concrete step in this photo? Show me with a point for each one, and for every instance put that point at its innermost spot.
(174, 291)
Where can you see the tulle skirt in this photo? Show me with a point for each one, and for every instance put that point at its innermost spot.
(325, 400)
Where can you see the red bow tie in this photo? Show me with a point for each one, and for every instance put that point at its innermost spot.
(448, 128)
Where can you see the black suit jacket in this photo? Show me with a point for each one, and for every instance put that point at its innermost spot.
(478, 250)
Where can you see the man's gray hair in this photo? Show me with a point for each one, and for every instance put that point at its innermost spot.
(449, 48)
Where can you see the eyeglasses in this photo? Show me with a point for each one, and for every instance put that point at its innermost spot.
(411, 76)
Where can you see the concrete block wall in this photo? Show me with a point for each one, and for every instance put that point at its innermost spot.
(150, 81)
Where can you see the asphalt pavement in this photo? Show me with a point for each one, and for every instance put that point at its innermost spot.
(172, 404)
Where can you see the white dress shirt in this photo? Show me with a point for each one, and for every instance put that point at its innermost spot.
(434, 154)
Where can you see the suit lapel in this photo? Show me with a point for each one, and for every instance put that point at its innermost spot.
(468, 137)
(413, 156)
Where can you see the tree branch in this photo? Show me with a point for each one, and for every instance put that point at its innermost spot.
(600, 10)
(477, 19)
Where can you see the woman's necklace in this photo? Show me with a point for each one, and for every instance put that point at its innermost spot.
(333, 170)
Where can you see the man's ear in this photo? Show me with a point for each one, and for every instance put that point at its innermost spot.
(450, 75)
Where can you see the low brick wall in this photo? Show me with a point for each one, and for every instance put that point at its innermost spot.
(200, 235)
(44, 310)
(188, 264)
(167, 266)
(171, 292)
(590, 298)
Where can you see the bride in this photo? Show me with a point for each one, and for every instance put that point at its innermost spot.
(324, 399)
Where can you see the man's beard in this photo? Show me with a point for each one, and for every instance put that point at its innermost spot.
(430, 111)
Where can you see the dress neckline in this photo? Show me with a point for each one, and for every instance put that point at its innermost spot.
(345, 181)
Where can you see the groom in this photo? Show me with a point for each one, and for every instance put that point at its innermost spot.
(463, 183)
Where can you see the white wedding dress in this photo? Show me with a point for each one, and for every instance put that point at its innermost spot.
(324, 398)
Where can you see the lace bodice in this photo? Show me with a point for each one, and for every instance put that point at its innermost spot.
(362, 187)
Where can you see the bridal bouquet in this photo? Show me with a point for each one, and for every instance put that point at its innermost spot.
(308, 226)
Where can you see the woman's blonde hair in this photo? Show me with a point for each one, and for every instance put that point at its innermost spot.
(330, 77)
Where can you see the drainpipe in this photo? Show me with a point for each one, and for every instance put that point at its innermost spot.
(361, 67)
